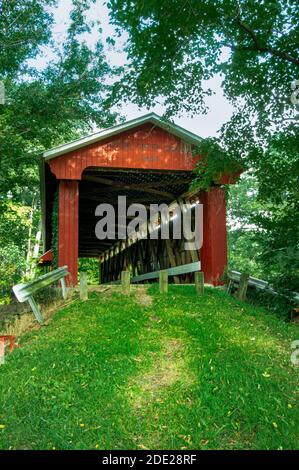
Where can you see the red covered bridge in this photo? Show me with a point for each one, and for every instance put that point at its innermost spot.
(148, 160)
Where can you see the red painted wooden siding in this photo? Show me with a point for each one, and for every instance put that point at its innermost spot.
(68, 238)
(46, 257)
(146, 147)
(213, 254)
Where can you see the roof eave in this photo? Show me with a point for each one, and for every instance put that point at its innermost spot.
(112, 131)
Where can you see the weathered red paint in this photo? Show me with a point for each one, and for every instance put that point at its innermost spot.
(213, 254)
(68, 239)
(146, 147)
(46, 257)
(9, 339)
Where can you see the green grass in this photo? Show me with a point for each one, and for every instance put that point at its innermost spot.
(186, 372)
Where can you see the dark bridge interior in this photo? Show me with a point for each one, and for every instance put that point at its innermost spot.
(144, 187)
(104, 186)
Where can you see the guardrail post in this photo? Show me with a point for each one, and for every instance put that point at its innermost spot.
(243, 284)
(35, 308)
(2, 351)
(63, 288)
(83, 287)
(125, 281)
(163, 281)
(230, 286)
(199, 282)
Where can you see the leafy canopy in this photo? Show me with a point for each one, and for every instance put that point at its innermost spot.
(46, 105)
(175, 46)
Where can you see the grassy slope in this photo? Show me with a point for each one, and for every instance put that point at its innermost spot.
(187, 372)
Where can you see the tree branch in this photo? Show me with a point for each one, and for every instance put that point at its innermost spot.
(262, 48)
(269, 50)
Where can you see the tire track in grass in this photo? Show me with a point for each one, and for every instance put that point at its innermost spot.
(163, 369)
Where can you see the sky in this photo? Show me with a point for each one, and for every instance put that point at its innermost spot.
(220, 110)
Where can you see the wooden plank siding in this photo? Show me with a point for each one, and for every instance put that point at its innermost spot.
(213, 254)
(68, 238)
(147, 147)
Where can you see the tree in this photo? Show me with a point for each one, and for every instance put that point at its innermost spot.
(24, 26)
(174, 46)
(43, 107)
(245, 246)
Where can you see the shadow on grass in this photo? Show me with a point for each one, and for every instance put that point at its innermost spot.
(61, 389)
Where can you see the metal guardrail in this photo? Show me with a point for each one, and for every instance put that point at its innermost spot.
(258, 284)
(252, 281)
(24, 292)
(176, 271)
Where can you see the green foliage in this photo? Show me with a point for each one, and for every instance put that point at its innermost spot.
(55, 227)
(91, 266)
(173, 48)
(214, 163)
(243, 234)
(14, 226)
(44, 106)
(14, 223)
(278, 176)
(263, 234)
(49, 107)
(264, 222)
(197, 365)
(281, 305)
(24, 26)
(12, 268)
(244, 253)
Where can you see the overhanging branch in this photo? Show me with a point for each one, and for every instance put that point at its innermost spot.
(259, 47)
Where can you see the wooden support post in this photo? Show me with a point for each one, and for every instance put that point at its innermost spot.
(163, 281)
(2, 351)
(199, 282)
(106, 266)
(109, 265)
(243, 284)
(125, 281)
(63, 288)
(114, 260)
(122, 257)
(230, 286)
(68, 233)
(83, 287)
(213, 254)
(191, 254)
